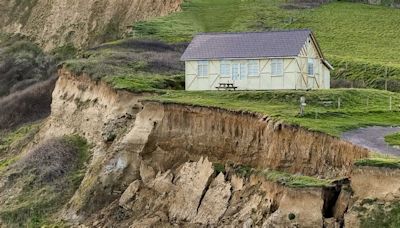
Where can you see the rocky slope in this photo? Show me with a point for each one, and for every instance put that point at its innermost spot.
(82, 23)
(152, 164)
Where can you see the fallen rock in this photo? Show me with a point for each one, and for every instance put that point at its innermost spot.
(191, 183)
(215, 202)
(298, 207)
(342, 204)
(129, 193)
(163, 182)
(147, 173)
(237, 183)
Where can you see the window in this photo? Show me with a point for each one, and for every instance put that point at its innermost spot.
(253, 68)
(202, 68)
(310, 68)
(235, 71)
(277, 67)
(243, 70)
(225, 68)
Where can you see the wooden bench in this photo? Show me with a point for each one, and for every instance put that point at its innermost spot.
(226, 86)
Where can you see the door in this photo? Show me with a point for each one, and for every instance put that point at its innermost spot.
(235, 72)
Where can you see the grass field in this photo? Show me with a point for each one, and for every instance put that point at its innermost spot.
(358, 107)
(362, 44)
(393, 139)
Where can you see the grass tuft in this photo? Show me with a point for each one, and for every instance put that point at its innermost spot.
(393, 139)
(392, 163)
(296, 181)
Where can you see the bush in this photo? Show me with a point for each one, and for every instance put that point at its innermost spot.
(26, 106)
(53, 159)
(22, 64)
(39, 184)
(127, 56)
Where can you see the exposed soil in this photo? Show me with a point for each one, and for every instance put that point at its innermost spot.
(373, 138)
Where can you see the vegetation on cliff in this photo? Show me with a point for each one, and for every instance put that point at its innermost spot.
(393, 139)
(133, 65)
(382, 162)
(40, 182)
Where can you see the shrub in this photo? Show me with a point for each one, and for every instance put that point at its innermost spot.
(26, 106)
(46, 178)
(23, 63)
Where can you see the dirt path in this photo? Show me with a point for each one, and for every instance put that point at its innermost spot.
(373, 138)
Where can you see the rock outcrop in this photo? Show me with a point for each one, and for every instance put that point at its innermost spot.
(82, 23)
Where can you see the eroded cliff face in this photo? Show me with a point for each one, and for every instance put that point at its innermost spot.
(186, 132)
(153, 163)
(82, 23)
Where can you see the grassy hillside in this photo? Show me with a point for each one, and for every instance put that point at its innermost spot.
(361, 42)
(133, 65)
(358, 107)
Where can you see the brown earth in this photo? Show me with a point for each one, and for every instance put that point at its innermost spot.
(82, 23)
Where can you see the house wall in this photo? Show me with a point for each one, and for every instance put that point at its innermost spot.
(295, 74)
(321, 77)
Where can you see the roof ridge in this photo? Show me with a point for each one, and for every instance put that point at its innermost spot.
(252, 32)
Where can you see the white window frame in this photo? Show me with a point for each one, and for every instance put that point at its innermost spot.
(202, 68)
(310, 67)
(225, 63)
(277, 67)
(256, 65)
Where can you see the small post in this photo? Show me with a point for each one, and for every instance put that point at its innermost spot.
(386, 78)
(390, 103)
(338, 103)
(367, 102)
(302, 105)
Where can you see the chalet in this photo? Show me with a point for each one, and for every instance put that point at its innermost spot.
(256, 61)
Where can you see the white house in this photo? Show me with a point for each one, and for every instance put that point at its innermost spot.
(256, 61)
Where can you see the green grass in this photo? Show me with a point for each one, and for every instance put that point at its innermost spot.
(37, 203)
(359, 107)
(393, 163)
(283, 178)
(393, 139)
(296, 181)
(361, 43)
(7, 140)
(145, 82)
(381, 215)
(133, 65)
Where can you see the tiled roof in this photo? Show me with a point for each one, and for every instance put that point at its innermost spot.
(246, 45)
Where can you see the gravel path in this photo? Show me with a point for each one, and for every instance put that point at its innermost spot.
(373, 138)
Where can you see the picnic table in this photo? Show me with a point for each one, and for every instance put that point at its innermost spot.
(226, 86)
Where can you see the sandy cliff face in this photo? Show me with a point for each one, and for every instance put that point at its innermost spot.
(245, 138)
(152, 163)
(82, 23)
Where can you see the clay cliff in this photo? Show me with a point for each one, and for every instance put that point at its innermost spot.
(81, 23)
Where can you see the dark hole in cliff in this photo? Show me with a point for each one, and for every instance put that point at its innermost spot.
(331, 195)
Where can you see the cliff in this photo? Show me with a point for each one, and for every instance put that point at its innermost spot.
(141, 148)
(162, 164)
(82, 23)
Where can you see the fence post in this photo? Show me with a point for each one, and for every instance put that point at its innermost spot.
(386, 78)
(390, 103)
(338, 103)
